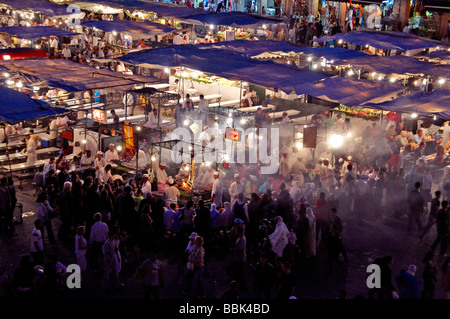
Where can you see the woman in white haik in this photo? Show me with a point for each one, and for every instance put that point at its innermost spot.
(80, 250)
(279, 238)
(30, 149)
(311, 237)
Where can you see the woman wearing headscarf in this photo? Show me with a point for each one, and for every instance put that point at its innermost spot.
(279, 238)
(311, 236)
(226, 217)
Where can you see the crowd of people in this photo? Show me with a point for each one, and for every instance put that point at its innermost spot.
(281, 219)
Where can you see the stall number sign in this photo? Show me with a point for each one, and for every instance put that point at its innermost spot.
(99, 115)
(232, 134)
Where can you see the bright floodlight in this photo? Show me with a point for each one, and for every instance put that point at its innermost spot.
(83, 141)
(114, 33)
(299, 145)
(186, 122)
(119, 148)
(186, 168)
(229, 121)
(211, 26)
(441, 81)
(242, 121)
(208, 163)
(166, 70)
(340, 41)
(309, 59)
(414, 115)
(435, 117)
(350, 73)
(336, 140)
(153, 158)
(138, 128)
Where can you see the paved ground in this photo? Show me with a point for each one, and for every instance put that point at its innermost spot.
(364, 240)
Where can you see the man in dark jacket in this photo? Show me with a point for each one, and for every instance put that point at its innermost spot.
(435, 204)
(442, 226)
(415, 207)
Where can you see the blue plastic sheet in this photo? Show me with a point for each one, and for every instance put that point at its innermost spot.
(35, 32)
(16, 106)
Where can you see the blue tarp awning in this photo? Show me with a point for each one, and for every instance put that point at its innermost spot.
(441, 55)
(254, 48)
(398, 64)
(129, 26)
(43, 6)
(383, 40)
(435, 102)
(234, 19)
(16, 106)
(226, 64)
(35, 32)
(75, 77)
(162, 9)
(349, 92)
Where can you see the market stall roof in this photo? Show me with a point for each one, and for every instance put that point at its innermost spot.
(43, 6)
(441, 55)
(226, 64)
(160, 8)
(349, 92)
(35, 32)
(16, 106)
(75, 77)
(233, 18)
(383, 40)
(435, 102)
(136, 27)
(96, 7)
(398, 64)
(255, 48)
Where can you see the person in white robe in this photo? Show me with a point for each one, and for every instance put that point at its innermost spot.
(161, 174)
(279, 238)
(217, 190)
(311, 236)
